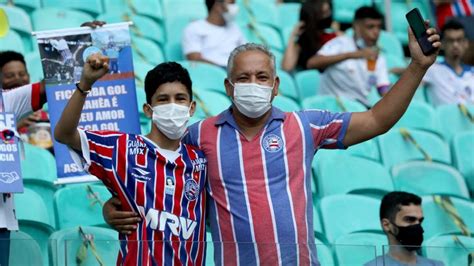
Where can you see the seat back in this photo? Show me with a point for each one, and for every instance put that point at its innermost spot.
(286, 104)
(451, 120)
(21, 244)
(93, 7)
(287, 85)
(462, 146)
(308, 83)
(359, 248)
(450, 249)
(205, 76)
(419, 115)
(39, 164)
(333, 104)
(52, 18)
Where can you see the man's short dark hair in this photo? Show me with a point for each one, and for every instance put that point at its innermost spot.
(8, 56)
(167, 72)
(452, 24)
(367, 12)
(392, 202)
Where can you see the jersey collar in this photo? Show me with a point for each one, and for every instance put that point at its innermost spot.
(227, 117)
(465, 68)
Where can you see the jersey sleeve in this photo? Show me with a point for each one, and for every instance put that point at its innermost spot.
(328, 129)
(191, 41)
(192, 136)
(333, 47)
(22, 100)
(97, 152)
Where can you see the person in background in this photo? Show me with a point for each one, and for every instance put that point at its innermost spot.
(451, 81)
(309, 35)
(352, 65)
(212, 39)
(401, 218)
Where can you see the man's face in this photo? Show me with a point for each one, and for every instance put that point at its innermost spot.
(14, 74)
(454, 43)
(369, 30)
(171, 92)
(408, 215)
(252, 67)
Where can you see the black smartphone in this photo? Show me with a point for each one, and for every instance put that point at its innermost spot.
(417, 25)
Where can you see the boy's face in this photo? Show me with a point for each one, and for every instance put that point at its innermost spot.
(14, 74)
(455, 43)
(171, 92)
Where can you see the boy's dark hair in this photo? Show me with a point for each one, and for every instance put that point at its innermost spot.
(452, 24)
(367, 12)
(392, 202)
(167, 72)
(8, 56)
(210, 4)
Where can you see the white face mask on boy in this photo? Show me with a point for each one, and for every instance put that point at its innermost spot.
(171, 119)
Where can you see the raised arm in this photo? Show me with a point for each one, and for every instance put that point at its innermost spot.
(66, 132)
(382, 117)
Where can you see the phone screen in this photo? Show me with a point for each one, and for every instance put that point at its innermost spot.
(416, 22)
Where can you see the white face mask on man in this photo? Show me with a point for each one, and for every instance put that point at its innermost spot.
(252, 99)
(231, 14)
(171, 119)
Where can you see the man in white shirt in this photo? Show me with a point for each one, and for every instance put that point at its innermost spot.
(19, 101)
(451, 81)
(352, 65)
(211, 40)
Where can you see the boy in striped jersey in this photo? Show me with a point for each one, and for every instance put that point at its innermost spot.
(259, 182)
(155, 176)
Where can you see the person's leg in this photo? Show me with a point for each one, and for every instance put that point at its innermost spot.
(4, 247)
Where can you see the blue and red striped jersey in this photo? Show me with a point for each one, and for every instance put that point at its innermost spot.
(260, 204)
(169, 194)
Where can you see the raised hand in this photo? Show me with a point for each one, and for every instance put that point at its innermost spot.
(95, 67)
(415, 50)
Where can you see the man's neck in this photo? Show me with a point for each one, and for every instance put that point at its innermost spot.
(454, 63)
(250, 127)
(162, 141)
(400, 254)
(215, 19)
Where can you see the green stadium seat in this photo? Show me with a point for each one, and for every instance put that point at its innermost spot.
(65, 244)
(181, 13)
(53, 18)
(205, 76)
(287, 85)
(140, 69)
(353, 213)
(365, 247)
(394, 149)
(263, 34)
(260, 12)
(209, 249)
(278, 58)
(360, 176)
(462, 147)
(143, 26)
(390, 44)
(46, 190)
(452, 250)
(18, 19)
(286, 33)
(173, 51)
(317, 225)
(343, 11)
(150, 8)
(27, 5)
(147, 51)
(288, 14)
(419, 115)
(34, 218)
(20, 244)
(368, 149)
(12, 41)
(81, 204)
(324, 253)
(452, 121)
(399, 22)
(93, 7)
(175, 26)
(35, 68)
(333, 104)
(307, 82)
(141, 100)
(39, 164)
(438, 222)
(286, 104)
(428, 178)
(210, 103)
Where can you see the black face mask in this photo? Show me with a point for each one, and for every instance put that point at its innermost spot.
(325, 23)
(410, 236)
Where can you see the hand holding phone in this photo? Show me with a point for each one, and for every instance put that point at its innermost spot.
(417, 25)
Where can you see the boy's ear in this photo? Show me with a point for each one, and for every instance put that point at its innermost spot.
(147, 110)
(192, 108)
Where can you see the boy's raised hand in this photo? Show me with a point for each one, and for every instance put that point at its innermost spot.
(95, 67)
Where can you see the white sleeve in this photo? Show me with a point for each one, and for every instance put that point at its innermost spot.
(242, 39)
(82, 160)
(382, 72)
(333, 47)
(18, 101)
(428, 77)
(191, 41)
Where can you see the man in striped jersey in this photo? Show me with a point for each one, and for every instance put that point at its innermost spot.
(156, 176)
(259, 158)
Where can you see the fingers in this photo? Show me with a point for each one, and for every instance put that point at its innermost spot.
(124, 215)
(97, 61)
(434, 37)
(125, 221)
(125, 229)
(93, 24)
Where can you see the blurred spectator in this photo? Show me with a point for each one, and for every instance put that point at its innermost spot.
(353, 65)
(401, 217)
(14, 74)
(445, 9)
(212, 39)
(309, 35)
(451, 81)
